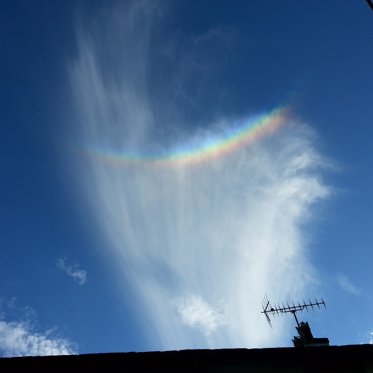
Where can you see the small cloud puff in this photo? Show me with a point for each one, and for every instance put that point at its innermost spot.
(345, 283)
(73, 270)
(17, 339)
(196, 312)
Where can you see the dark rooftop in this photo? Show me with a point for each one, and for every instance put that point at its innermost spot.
(354, 358)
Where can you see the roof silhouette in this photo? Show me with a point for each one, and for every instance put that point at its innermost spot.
(354, 358)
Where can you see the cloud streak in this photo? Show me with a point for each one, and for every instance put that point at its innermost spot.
(200, 245)
(345, 283)
(72, 270)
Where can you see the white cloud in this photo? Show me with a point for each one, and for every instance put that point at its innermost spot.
(18, 339)
(196, 312)
(370, 338)
(232, 229)
(73, 270)
(345, 283)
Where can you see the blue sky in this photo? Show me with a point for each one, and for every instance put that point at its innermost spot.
(100, 254)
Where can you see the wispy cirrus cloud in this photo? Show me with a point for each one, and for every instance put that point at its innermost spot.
(73, 270)
(345, 283)
(226, 231)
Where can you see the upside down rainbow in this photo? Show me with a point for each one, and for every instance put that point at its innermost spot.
(219, 146)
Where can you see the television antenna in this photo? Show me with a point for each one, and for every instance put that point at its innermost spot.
(305, 337)
(268, 309)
